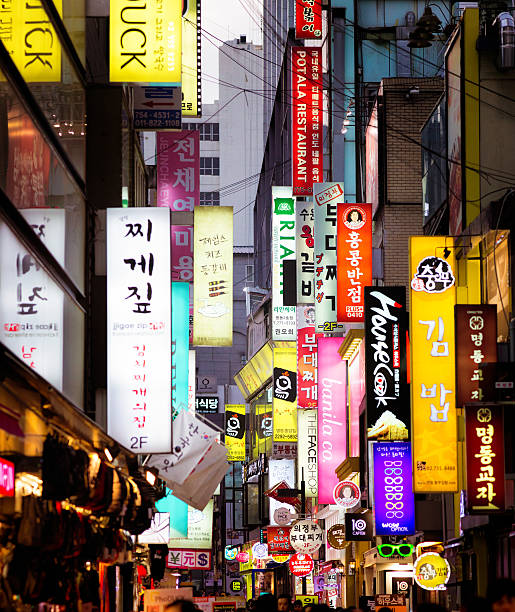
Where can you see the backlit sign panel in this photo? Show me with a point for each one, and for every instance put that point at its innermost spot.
(304, 220)
(6, 478)
(235, 431)
(180, 347)
(307, 461)
(308, 19)
(178, 170)
(191, 67)
(307, 370)
(285, 395)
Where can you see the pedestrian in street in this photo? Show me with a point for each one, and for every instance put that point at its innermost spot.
(284, 603)
(297, 605)
(501, 595)
(181, 605)
(266, 603)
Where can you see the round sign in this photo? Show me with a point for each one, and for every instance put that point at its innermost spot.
(236, 586)
(431, 572)
(231, 552)
(242, 557)
(306, 537)
(346, 494)
(301, 564)
(336, 537)
(282, 516)
(354, 217)
(280, 558)
(259, 551)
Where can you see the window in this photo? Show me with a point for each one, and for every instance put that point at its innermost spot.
(209, 131)
(210, 198)
(249, 274)
(210, 166)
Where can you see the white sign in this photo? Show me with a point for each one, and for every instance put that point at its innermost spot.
(305, 246)
(346, 494)
(307, 461)
(306, 537)
(139, 414)
(156, 600)
(284, 320)
(259, 551)
(279, 470)
(159, 530)
(31, 303)
(282, 516)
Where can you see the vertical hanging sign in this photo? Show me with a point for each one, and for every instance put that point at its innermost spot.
(325, 200)
(476, 344)
(485, 458)
(178, 170)
(305, 244)
(192, 377)
(433, 383)
(213, 275)
(139, 328)
(180, 347)
(285, 395)
(235, 432)
(308, 455)
(306, 118)
(283, 264)
(191, 59)
(306, 357)
(182, 253)
(332, 415)
(308, 19)
(354, 260)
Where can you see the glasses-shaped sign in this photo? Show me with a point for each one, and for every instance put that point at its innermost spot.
(388, 550)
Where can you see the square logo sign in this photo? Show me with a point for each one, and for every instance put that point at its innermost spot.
(285, 384)
(359, 526)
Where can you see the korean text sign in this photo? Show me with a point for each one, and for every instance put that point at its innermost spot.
(308, 19)
(433, 383)
(200, 530)
(182, 253)
(485, 458)
(213, 276)
(332, 416)
(476, 344)
(394, 502)
(305, 244)
(145, 41)
(308, 456)
(326, 198)
(283, 250)
(285, 395)
(388, 413)
(306, 357)
(139, 328)
(178, 170)
(306, 118)
(278, 539)
(235, 431)
(180, 346)
(354, 260)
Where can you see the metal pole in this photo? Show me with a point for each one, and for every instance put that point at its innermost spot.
(303, 511)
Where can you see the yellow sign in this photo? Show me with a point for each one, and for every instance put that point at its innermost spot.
(145, 41)
(212, 275)
(307, 599)
(433, 383)
(255, 372)
(235, 432)
(285, 395)
(190, 59)
(431, 572)
(31, 40)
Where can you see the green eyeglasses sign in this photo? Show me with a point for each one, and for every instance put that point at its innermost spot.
(388, 550)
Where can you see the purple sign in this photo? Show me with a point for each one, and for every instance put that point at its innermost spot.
(394, 502)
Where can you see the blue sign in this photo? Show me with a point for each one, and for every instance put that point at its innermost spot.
(180, 346)
(157, 107)
(178, 514)
(394, 502)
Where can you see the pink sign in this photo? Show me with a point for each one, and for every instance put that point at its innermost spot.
(178, 169)
(306, 357)
(357, 393)
(332, 416)
(182, 253)
(6, 478)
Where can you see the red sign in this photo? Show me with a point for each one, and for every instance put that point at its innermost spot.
(306, 118)
(274, 494)
(476, 344)
(306, 361)
(6, 478)
(242, 557)
(279, 540)
(485, 459)
(308, 19)
(354, 251)
(187, 558)
(301, 564)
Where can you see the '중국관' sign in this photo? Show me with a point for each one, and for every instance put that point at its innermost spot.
(145, 41)
(139, 328)
(433, 384)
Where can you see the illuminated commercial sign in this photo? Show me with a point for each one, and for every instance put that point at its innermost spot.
(485, 459)
(235, 431)
(332, 416)
(394, 502)
(336, 536)
(301, 564)
(476, 344)
(145, 41)
(6, 478)
(388, 412)
(433, 383)
(359, 526)
(31, 303)
(306, 357)
(285, 395)
(283, 264)
(178, 170)
(431, 572)
(304, 220)
(191, 66)
(182, 252)
(180, 347)
(346, 494)
(306, 118)
(278, 539)
(308, 457)
(308, 19)
(187, 558)
(280, 471)
(306, 536)
(139, 328)
(326, 198)
(213, 275)
(357, 388)
(206, 404)
(31, 40)
(200, 530)
(192, 371)
(354, 260)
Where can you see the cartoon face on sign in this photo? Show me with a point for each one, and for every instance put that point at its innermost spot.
(354, 218)
(285, 385)
(433, 275)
